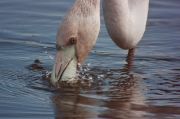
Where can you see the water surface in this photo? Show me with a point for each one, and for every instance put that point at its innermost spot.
(146, 86)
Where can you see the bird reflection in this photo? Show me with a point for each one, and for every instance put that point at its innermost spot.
(107, 102)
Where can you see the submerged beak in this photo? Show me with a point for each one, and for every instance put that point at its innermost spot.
(65, 65)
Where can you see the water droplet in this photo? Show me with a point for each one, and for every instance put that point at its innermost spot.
(88, 64)
(79, 64)
(90, 77)
(50, 56)
(83, 77)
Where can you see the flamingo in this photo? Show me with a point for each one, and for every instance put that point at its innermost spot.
(78, 31)
(76, 35)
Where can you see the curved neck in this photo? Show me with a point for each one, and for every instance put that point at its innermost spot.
(125, 20)
(134, 10)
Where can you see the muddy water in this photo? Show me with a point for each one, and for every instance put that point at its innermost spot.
(113, 84)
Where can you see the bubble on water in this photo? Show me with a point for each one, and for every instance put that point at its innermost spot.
(45, 47)
(82, 72)
(88, 64)
(48, 72)
(90, 77)
(79, 64)
(45, 51)
(50, 56)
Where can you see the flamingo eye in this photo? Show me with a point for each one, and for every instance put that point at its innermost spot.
(72, 41)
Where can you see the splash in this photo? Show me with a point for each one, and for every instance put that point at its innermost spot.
(89, 76)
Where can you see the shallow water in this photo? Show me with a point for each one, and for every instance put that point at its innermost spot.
(113, 86)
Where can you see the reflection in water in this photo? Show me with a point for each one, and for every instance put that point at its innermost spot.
(105, 101)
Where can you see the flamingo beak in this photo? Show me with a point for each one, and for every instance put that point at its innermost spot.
(65, 65)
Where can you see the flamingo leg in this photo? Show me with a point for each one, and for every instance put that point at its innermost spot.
(130, 56)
